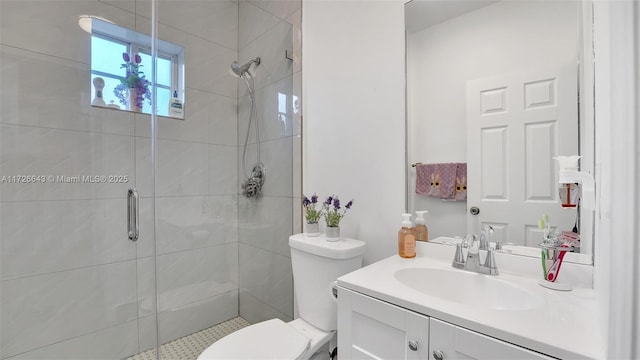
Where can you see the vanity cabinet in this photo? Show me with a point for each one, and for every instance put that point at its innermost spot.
(372, 329)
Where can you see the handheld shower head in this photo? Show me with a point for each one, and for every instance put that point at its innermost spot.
(240, 70)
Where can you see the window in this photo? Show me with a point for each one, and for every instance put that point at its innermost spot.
(282, 111)
(109, 42)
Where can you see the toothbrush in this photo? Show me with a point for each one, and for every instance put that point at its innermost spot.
(544, 263)
(547, 226)
(544, 252)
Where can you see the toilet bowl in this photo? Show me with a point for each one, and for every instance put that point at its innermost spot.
(271, 339)
(316, 264)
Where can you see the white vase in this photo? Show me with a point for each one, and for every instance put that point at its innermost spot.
(311, 229)
(133, 100)
(98, 83)
(333, 233)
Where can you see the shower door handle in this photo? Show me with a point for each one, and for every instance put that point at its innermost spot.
(133, 215)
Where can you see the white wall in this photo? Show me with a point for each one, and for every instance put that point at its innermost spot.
(616, 272)
(353, 117)
(500, 38)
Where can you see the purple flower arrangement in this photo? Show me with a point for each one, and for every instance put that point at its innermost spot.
(331, 208)
(134, 79)
(311, 214)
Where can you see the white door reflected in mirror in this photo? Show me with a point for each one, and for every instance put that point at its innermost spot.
(516, 123)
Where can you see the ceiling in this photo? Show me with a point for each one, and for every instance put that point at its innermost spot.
(421, 14)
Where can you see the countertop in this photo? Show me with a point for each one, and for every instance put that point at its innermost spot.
(564, 326)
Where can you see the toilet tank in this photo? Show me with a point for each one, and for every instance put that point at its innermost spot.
(316, 264)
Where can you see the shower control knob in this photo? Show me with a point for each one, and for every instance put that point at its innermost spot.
(438, 355)
(474, 210)
(413, 345)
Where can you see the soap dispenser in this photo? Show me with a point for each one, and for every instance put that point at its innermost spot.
(175, 106)
(420, 230)
(406, 238)
(574, 185)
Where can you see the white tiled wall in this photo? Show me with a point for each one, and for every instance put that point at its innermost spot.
(73, 285)
(267, 29)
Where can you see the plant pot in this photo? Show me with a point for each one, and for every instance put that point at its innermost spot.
(311, 229)
(333, 233)
(133, 104)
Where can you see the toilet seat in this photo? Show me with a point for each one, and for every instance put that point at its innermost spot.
(271, 339)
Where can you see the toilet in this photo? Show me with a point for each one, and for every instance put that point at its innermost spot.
(316, 264)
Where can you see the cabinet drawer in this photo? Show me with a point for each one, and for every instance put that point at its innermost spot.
(458, 343)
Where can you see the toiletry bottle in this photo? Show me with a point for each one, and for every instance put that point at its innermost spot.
(421, 231)
(175, 106)
(406, 238)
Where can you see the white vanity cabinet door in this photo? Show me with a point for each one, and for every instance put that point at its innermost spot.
(457, 343)
(372, 329)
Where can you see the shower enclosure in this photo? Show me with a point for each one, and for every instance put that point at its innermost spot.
(72, 283)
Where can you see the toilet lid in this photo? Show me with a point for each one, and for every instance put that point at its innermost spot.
(271, 339)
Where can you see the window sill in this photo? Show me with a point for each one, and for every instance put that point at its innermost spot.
(137, 113)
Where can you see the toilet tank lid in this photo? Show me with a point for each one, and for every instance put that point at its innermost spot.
(344, 248)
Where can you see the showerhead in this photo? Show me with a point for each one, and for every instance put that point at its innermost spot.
(240, 70)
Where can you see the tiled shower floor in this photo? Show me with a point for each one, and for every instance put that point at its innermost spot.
(190, 346)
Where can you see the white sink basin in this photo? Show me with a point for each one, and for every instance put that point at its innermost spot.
(468, 288)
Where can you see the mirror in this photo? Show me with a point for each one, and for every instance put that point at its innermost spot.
(522, 62)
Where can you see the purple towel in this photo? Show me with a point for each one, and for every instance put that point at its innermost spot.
(423, 178)
(461, 182)
(444, 180)
(447, 173)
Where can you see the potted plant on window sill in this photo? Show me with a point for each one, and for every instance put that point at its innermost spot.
(134, 86)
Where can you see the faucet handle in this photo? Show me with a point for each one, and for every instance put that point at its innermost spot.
(458, 258)
(490, 262)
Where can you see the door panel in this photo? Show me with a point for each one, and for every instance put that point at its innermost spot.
(495, 168)
(516, 123)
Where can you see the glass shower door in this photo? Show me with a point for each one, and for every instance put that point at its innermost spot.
(197, 189)
(72, 282)
(73, 143)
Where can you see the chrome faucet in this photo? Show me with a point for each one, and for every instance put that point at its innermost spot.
(485, 235)
(472, 263)
(473, 255)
